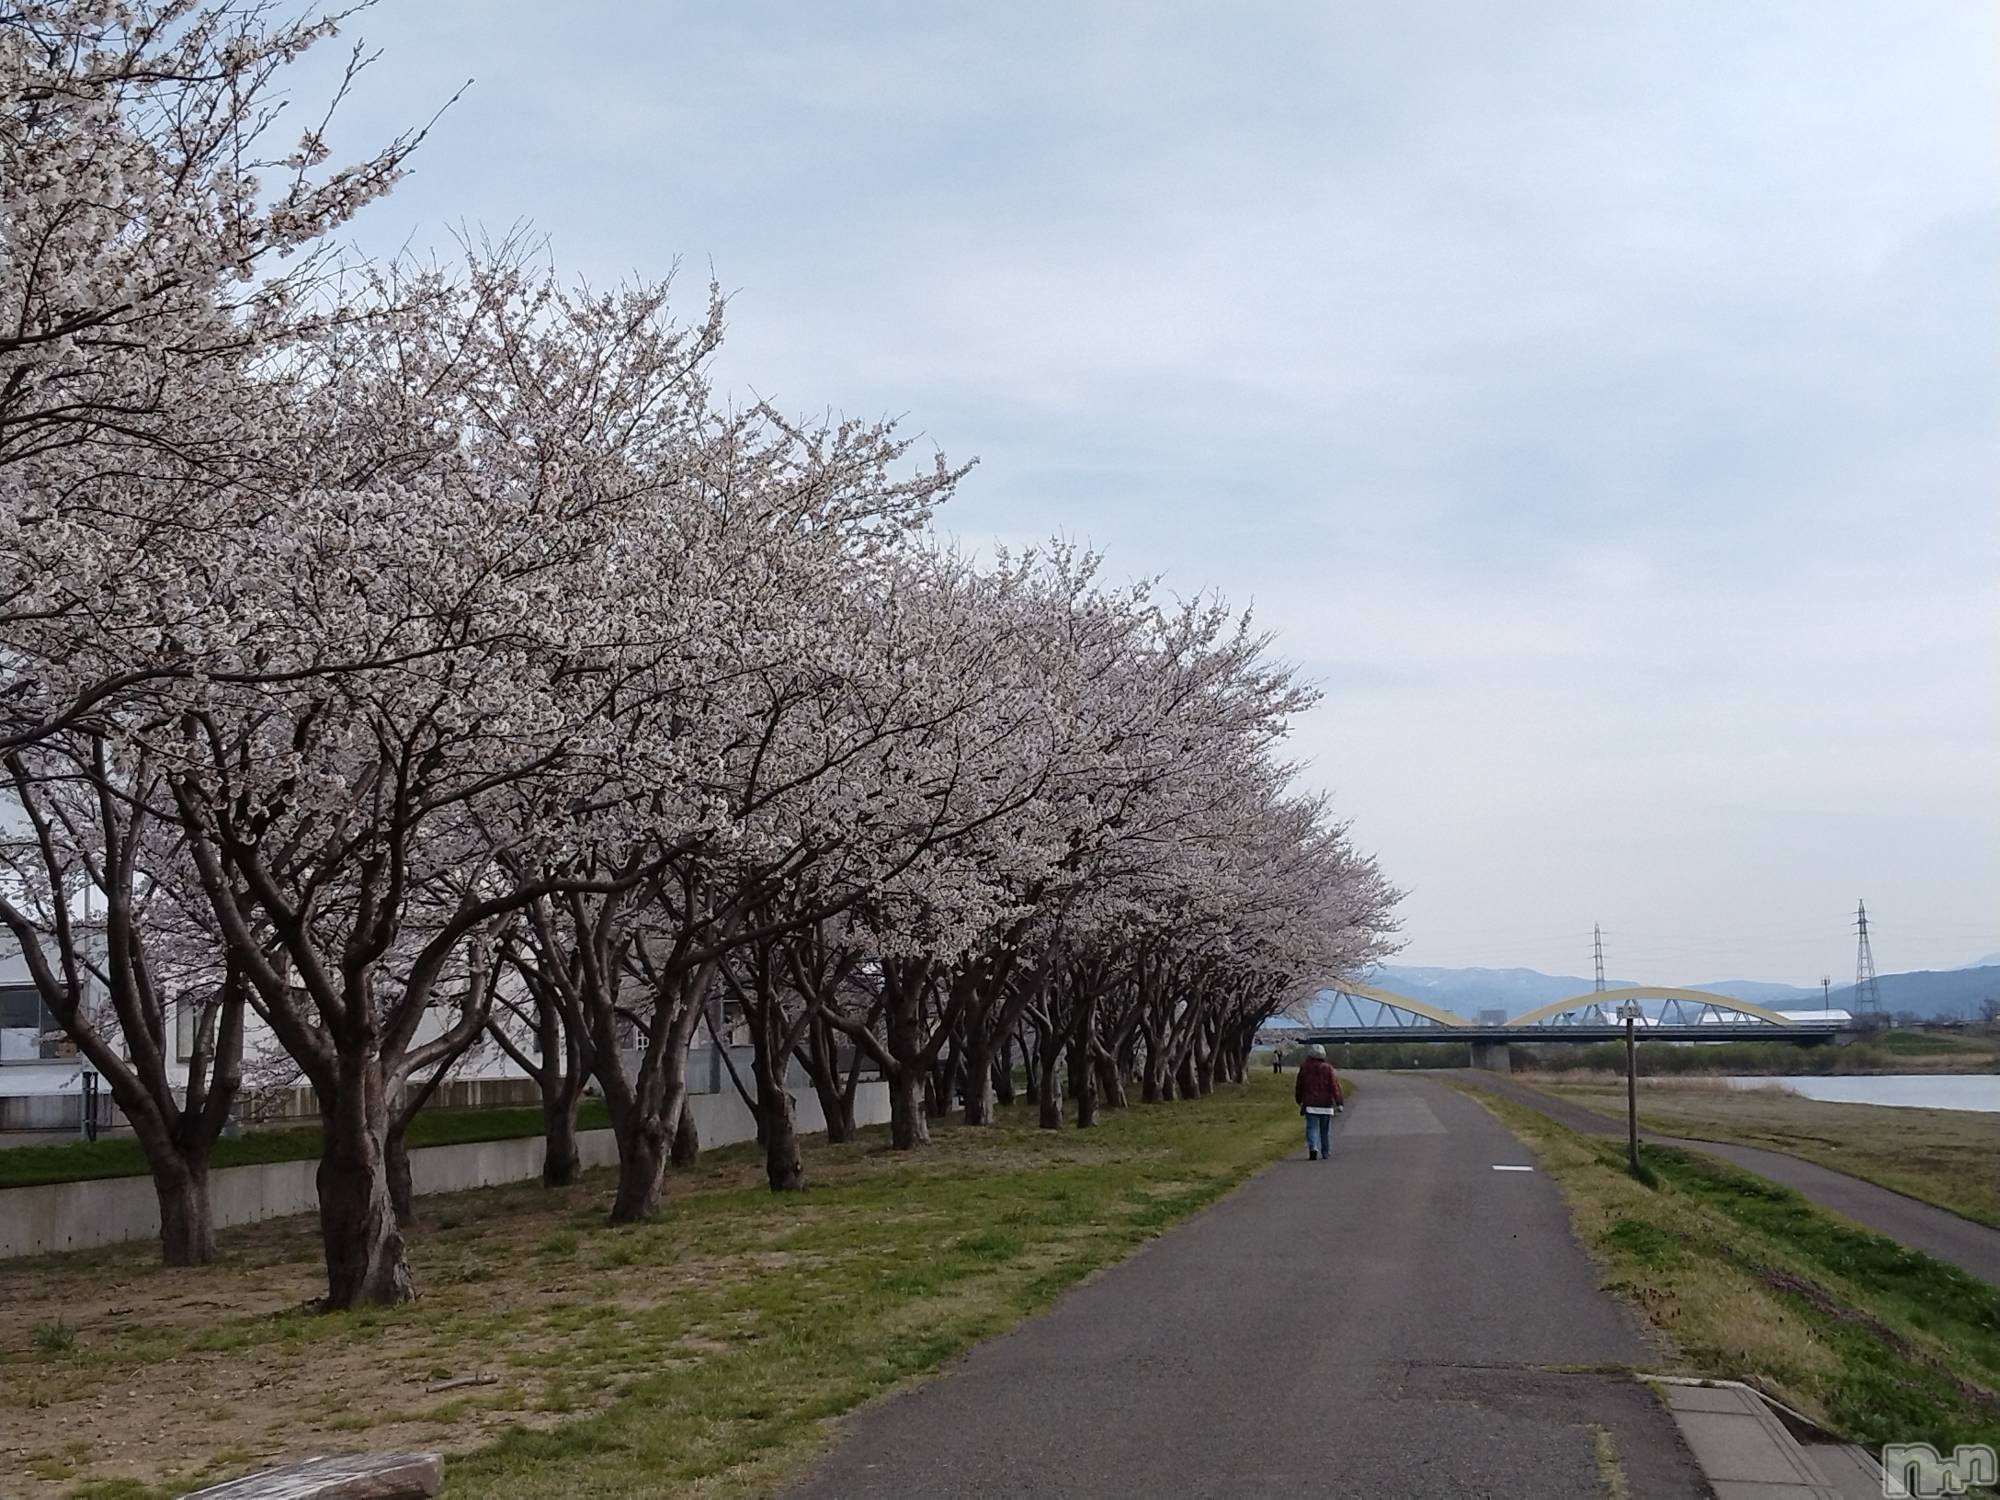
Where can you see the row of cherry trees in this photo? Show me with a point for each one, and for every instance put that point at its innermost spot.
(404, 658)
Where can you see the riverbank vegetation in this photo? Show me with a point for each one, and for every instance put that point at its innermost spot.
(1743, 1279)
(1944, 1156)
(1882, 1052)
(704, 1353)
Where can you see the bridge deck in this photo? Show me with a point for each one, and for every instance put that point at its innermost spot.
(1748, 1031)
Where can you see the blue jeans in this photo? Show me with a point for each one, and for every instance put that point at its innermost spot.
(1319, 1134)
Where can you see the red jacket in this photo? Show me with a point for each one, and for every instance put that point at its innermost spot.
(1318, 1086)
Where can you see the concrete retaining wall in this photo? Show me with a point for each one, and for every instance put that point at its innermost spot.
(76, 1215)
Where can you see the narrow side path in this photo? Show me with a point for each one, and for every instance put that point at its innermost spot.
(1401, 1320)
(1974, 1248)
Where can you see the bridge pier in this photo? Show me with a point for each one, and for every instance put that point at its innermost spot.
(1494, 1057)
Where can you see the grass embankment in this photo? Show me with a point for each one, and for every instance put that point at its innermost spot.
(1877, 1052)
(1881, 1052)
(1943, 1156)
(1746, 1280)
(705, 1354)
(120, 1156)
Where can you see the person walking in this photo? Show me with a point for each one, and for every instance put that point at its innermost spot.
(1318, 1094)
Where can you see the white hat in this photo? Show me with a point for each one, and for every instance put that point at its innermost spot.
(1316, 1050)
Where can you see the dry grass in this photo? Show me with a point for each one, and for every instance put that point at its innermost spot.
(1943, 1156)
(706, 1353)
(1744, 1280)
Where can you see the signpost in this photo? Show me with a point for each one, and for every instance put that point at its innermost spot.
(1630, 1013)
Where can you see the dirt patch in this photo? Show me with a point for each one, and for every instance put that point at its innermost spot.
(169, 1375)
(533, 1311)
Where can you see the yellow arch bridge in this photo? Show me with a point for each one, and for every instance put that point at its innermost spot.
(1368, 1013)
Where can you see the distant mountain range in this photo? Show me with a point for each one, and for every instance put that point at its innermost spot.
(1930, 993)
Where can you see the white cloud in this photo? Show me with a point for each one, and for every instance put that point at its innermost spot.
(1599, 399)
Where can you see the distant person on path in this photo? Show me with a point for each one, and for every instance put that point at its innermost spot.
(1318, 1094)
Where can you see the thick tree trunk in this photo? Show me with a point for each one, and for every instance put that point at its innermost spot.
(822, 1063)
(180, 1184)
(396, 1164)
(562, 1163)
(943, 1094)
(364, 1246)
(187, 1224)
(908, 1128)
(686, 1149)
(179, 1170)
(1150, 1081)
(1083, 1086)
(642, 1166)
(849, 1087)
(909, 1078)
(1003, 1070)
(1204, 1070)
(978, 1076)
(1048, 1091)
(782, 1165)
(1184, 1078)
(1110, 1084)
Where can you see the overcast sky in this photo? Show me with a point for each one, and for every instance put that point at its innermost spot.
(1598, 398)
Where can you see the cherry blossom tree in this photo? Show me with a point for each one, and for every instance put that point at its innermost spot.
(408, 657)
(93, 891)
(161, 231)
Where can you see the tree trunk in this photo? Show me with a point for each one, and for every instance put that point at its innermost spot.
(364, 1246)
(1083, 1085)
(180, 1184)
(944, 1092)
(1110, 1084)
(908, 1128)
(782, 1165)
(396, 1164)
(909, 1078)
(1204, 1070)
(1048, 1091)
(1003, 1070)
(562, 1162)
(187, 1225)
(1184, 1078)
(849, 1087)
(642, 1164)
(686, 1149)
(822, 1062)
(978, 1075)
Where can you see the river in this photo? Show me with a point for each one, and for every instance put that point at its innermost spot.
(1979, 1092)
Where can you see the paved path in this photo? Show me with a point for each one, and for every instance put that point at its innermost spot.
(1974, 1248)
(1383, 1324)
